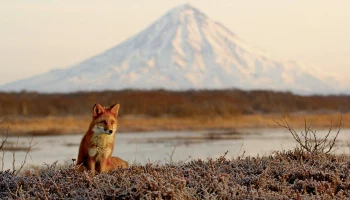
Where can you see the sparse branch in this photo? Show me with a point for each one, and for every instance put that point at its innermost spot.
(2, 160)
(332, 142)
(2, 148)
(3, 142)
(14, 158)
(171, 155)
(30, 146)
(307, 139)
(284, 124)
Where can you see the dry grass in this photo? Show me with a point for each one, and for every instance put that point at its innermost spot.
(283, 175)
(79, 124)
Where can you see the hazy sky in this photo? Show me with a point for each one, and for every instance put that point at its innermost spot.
(39, 35)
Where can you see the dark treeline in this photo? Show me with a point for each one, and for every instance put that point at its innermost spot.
(169, 103)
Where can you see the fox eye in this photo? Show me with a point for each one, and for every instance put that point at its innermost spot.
(112, 122)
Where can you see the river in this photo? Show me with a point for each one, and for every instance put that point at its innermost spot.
(161, 147)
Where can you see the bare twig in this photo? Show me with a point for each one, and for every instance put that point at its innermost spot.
(2, 160)
(332, 142)
(239, 151)
(170, 161)
(135, 150)
(30, 146)
(14, 158)
(2, 148)
(307, 139)
(3, 142)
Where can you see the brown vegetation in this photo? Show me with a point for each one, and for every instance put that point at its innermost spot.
(53, 114)
(78, 124)
(283, 175)
(166, 103)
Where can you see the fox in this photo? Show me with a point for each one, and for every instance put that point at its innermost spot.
(96, 146)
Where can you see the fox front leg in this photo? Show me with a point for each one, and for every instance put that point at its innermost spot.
(102, 166)
(91, 164)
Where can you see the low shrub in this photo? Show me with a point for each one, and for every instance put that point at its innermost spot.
(283, 175)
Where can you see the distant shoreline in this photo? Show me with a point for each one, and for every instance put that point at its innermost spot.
(72, 125)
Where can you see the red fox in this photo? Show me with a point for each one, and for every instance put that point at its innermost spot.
(97, 145)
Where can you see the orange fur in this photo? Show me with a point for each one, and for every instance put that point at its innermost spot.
(97, 145)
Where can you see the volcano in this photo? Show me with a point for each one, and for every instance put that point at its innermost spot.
(184, 49)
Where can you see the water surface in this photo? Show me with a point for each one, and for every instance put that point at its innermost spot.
(158, 146)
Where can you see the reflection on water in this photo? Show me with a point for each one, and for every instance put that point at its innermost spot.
(157, 146)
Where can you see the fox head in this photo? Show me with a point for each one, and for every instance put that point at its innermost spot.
(105, 119)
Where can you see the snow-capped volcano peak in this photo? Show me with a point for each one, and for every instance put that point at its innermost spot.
(183, 9)
(184, 49)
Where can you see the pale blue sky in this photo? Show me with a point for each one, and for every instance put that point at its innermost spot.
(39, 35)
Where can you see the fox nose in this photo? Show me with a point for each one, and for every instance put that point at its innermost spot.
(108, 131)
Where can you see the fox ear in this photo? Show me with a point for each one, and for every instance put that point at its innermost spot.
(98, 110)
(115, 109)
